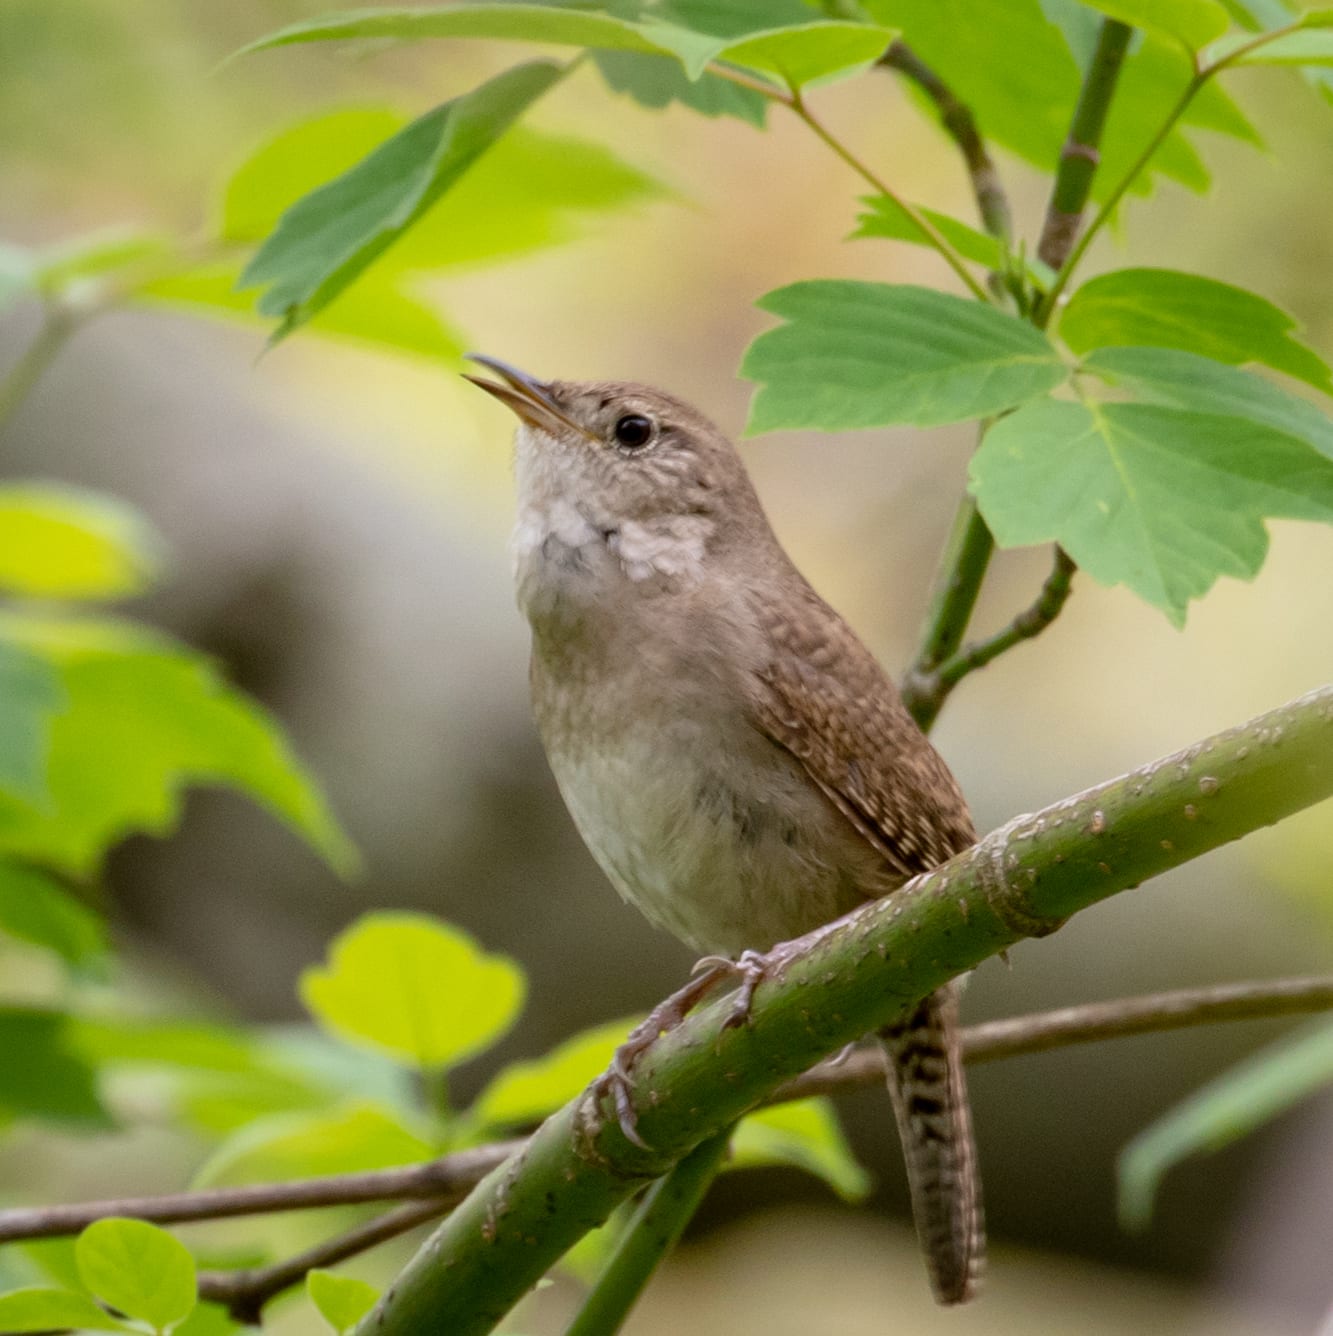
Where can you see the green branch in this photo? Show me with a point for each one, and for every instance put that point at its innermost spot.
(667, 1208)
(1021, 881)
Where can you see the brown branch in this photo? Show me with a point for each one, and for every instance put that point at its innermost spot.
(244, 1293)
(1037, 1033)
(958, 123)
(442, 1183)
(449, 1179)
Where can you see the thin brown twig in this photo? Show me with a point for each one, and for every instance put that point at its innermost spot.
(1016, 1036)
(444, 1181)
(958, 122)
(448, 1178)
(244, 1293)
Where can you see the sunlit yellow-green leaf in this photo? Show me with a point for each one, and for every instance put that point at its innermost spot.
(342, 1301)
(805, 1134)
(414, 987)
(526, 1091)
(309, 1144)
(139, 1269)
(39, 1308)
(61, 542)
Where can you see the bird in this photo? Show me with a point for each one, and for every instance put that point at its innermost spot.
(736, 760)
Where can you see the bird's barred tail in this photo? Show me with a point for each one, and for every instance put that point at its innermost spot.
(929, 1094)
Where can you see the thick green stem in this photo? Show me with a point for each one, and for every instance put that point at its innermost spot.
(656, 1228)
(850, 978)
(1081, 154)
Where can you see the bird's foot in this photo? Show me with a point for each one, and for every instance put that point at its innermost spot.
(751, 968)
(663, 1018)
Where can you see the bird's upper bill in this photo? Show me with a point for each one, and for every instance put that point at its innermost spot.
(531, 399)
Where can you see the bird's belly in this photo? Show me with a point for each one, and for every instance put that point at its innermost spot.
(684, 832)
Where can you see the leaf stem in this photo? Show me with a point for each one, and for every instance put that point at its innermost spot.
(958, 122)
(926, 692)
(58, 323)
(963, 567)
(666, 1209)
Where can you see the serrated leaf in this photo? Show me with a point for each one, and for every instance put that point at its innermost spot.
(60, 542)
(1159, 499)
(375, 310)
(884, 217)
(526, 1091)
(1007, 62)
(35, 908)
(857, 354)
(30, 696)
(328, 237)
(145, 718)
(39, 1308)
(43, 1075)
(803, 1133)
(416, 988)
(1165, 308)
(139, 1269)
(1226, 1109)
(283, 1146)
(553, 24)
(342, 1301)
(658, 81)
(1186, 380)
(1193, 22)
(799, 50)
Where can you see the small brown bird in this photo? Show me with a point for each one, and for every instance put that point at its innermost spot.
(734, 757)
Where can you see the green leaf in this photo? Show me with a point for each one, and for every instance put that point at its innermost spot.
(30, 695)
(139, 1269)
(805, 1134)
(145, 718)
(799, 51)
(416, 988)
(41, 1309)
(515, 22)
(63, 542)
(658, 81)
(1186, 380)
(528, 191)
(284, 1146)
(375, 310)
(1007, 62)
(1193, 22)
(1309, 47)
(83, 259)
(886, 218)
(1165, 308)
(1159, 499)
(803, 55)
(330, 235)
(43, 1075)
(36, 908)
(1226, 1109)
(859, 354)
(524, 1092)
(342, 1300)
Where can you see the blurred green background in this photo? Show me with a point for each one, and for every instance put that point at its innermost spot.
(337, 519)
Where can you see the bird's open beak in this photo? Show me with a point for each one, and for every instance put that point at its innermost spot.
(527, 396)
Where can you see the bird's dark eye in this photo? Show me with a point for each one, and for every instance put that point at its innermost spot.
(634, 430)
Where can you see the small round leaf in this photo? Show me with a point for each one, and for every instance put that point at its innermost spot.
(416, 988)
(342, 1300)
(138, 1269)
